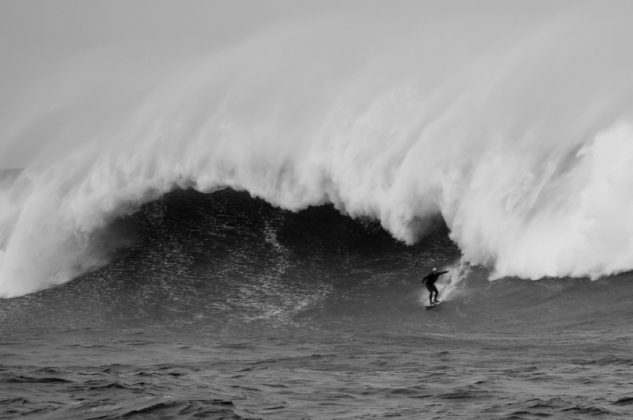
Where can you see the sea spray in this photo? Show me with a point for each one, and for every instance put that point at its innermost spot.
(516, 133)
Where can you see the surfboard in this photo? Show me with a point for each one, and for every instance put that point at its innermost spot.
(432, 306)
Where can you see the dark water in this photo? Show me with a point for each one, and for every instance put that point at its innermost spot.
(321, 375)
(220, 306)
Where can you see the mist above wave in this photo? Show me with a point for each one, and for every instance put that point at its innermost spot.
(516, 129)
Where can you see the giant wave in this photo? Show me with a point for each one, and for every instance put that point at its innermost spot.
(514, 126)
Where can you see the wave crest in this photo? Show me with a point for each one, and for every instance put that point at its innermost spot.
(516, 130)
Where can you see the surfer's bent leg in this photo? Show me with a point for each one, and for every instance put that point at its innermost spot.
(432, 291)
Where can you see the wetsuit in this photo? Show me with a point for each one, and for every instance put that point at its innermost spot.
(429, 281)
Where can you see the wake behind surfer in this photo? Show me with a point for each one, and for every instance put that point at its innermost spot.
(429, 281)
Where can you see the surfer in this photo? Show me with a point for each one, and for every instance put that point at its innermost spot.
(429, 281)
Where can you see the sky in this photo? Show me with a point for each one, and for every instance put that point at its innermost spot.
(39, 39)
(36, 33)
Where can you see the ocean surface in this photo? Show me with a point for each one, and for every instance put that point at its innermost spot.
(224, 209)
(222, 306)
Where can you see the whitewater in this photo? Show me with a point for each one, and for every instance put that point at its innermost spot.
(514, 126)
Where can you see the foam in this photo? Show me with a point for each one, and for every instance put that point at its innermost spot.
(516, 130)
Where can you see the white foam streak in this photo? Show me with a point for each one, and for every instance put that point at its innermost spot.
(518, 132)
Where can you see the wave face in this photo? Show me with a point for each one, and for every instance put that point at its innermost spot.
(225, 260)
(227, 263)
(514, 126)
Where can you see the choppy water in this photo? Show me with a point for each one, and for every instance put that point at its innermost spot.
(299, 374)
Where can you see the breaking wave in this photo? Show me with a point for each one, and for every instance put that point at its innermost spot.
(514, 127)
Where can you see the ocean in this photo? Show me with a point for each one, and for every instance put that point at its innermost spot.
(224, 209)
(222, 306)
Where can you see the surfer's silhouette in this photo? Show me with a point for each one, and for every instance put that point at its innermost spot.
(429, 281)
